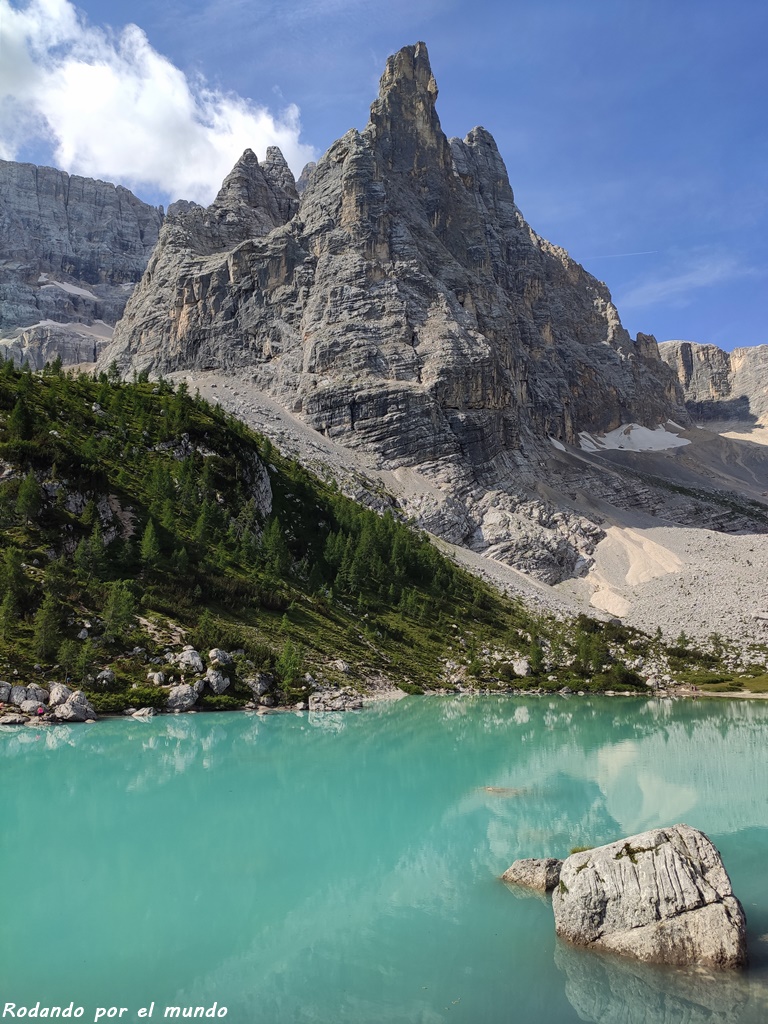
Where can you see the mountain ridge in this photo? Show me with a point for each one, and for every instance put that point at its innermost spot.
(72, 250)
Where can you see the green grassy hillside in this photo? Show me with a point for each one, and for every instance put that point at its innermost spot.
(135, 517)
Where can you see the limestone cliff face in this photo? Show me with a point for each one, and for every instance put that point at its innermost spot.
(721, 385)
(402, 305)
(72, 250)
(407, 305)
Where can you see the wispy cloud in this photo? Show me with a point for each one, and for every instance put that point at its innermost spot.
(684, 279)
(114, 107)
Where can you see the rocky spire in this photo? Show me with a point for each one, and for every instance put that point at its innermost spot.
(279, 175)
(253, 200)
(306, 176)
(404, 121)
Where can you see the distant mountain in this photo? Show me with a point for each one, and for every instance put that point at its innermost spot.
(71, 252)
(721, 386)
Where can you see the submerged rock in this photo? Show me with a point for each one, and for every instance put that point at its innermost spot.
(540, 873)
(662, 896)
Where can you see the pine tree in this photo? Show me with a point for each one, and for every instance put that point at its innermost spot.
(68, 654)
(119, 611)
(47, 629)
(150, 546)
(277, 558)
(20, 421)
(29, 500)
(12, 576)
(96, 550)
(9, 617)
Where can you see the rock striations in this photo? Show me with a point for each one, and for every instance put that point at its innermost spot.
(406, 305)
(663, 896)
(402, 306)
(72, 251)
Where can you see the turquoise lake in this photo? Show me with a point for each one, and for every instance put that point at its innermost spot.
(324, 868)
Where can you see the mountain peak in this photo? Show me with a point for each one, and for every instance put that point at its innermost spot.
(409, 68)
(404, 121)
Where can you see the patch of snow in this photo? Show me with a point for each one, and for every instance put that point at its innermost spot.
(71, 289)
(557, 444)
(98, 329)
(632, 437)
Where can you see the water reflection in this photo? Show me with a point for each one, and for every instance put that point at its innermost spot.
(604, 990)
(311, 867)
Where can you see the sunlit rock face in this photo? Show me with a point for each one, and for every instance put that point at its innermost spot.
(721, 385)
(71, 252)
(404, 305)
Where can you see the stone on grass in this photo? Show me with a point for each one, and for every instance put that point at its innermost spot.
(190, 660)
(662, 896)
(30, 707)
(540, 873)
(59, 694)
(182, 697)
(5, 692)
(76, 708)
(218, 657)
(260, 683)
(217, 681)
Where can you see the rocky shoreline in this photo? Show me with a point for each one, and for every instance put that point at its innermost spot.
(59, 705)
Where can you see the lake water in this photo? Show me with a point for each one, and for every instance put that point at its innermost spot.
(344, 868)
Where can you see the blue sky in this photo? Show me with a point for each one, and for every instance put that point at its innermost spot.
(627, 127)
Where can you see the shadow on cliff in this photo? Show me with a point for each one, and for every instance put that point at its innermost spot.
(724, 410)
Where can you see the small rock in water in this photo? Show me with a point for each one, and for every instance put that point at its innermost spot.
(540, 873)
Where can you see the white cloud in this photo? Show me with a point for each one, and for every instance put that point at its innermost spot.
(113, 107)
(679, 285)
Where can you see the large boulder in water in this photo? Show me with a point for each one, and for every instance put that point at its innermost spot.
(662, 896)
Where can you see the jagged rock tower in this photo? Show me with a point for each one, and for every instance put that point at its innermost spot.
(401, 305)
(405, 300)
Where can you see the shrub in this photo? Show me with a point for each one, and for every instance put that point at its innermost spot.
(147, 697)
(412, 689)
(219, 702)
(110, 703)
